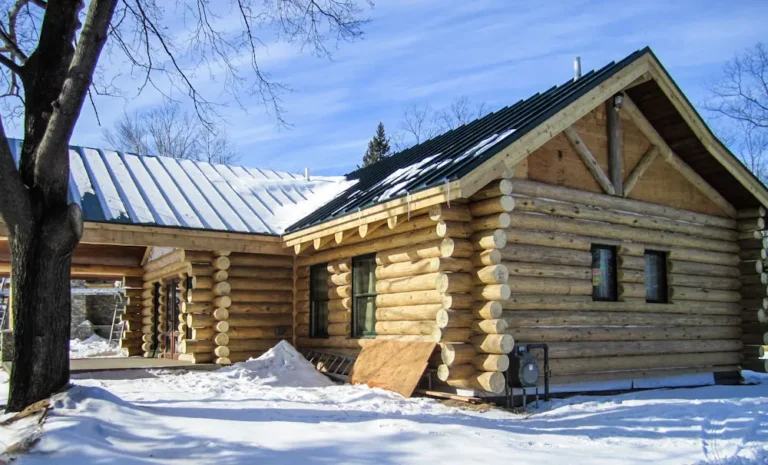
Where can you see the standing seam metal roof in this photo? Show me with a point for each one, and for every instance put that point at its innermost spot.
(119, 187)
(454, 154)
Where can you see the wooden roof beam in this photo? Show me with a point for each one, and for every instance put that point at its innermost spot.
(368, 228)
(589, 161)
(637, 172)
(668, 155)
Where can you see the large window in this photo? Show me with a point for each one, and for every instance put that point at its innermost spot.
(655, 277)
(604, 273)
(364, 296)
(318, 301)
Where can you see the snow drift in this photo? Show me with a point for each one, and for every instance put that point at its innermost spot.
(281, 366)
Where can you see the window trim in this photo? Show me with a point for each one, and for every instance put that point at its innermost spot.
(614, 265)
(355, 296)
(664, 285)
(312, 327)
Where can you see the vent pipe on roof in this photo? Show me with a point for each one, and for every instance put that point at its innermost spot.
(576, 68)
(306, 174)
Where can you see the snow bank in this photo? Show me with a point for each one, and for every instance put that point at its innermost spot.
(94, 346)
(280, 366)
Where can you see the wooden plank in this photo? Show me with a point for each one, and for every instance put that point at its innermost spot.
(673, 160)
(615, 152)
(639, 169)
(589, 161)
(393, 365)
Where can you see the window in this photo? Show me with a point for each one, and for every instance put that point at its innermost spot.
(318, 301)
(604, 273)
(364, 296)
(655, 277)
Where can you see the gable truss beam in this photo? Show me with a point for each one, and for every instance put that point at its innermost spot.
(535, 138)
(589, 161)
(637, 172)
(615, 155)
(668, 155)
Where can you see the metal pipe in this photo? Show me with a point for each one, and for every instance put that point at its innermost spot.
(576, 68)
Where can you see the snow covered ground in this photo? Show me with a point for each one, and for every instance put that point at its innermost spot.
(248, 414)
(94, 346)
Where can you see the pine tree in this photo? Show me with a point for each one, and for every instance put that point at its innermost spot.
(378, 147)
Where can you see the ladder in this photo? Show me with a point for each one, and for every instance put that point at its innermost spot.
(116, 331)
(336, 366)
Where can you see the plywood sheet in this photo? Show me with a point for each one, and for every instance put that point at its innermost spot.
(392, 365)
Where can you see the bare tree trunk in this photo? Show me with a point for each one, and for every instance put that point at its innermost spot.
(41, 260)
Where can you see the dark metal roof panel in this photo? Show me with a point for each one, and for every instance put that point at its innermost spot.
(452, 155)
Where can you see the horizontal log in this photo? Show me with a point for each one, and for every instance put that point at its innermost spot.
(258, 260)
(517, 319)
(704, 256)
(761, 278)
(455, 212)
(487, 310)
(337, 305)
(340, 279)
(596, 334)
(483, 381)
(199, 256)
(751, 267)
(586, 212)
(707, 295)
(492, 292)
(341, 265)
(493, 343)
(416, 328)
(339, 317)
(540, 270)
(426, 312)
(497, 188)
(456, 354)
(242, 320)
(702, 269)
(448, 283)
(191, 346)
(547, 255)
(446, 372)
(260, 308)
(408, 298)
(259, 332)
(491, 362)
(549, 286)
(261, 296)
(423, 266)
(492, 205)
(498, 326)
(261, 284)
(453, 229)
(601, 364)
(631, 276)
(566, 194)
(454, 319)
(260, 272)
(451, 335)
(174, 257)
(241, 345)
(549, 239)
(486, 258)
(339, 329)
(625, 262)
(630, 291)
(340, 292)
(722, 283)
(495, 221)
(489, 239)
(491, 274)
(628, 348)
(421, 282)
(618, 232)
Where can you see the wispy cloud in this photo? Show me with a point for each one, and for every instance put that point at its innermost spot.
(432, 51)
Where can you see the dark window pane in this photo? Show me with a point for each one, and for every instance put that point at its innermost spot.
(318, 301)
(655, 276)
(604, 273)
(364, 296)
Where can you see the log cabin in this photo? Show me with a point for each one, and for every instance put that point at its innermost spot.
(601, 217)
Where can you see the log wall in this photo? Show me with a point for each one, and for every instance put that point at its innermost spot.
(131, 339)
(548, 259)
(754, 288)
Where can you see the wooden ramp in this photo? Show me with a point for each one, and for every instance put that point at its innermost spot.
(392, 365)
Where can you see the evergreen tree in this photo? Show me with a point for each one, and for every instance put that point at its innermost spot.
(378, 147)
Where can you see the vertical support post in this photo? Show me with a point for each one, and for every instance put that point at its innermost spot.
(615, 156)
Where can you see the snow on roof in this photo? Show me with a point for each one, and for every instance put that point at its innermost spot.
(160, 191)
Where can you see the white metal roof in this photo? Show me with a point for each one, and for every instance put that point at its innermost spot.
(125, 188)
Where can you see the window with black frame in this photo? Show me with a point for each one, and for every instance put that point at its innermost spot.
(655, 277)
(364, 296)
(604, 286)
(318, 301)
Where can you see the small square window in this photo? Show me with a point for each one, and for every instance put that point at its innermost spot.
(655, 277)
(604, 286)
(318, 301)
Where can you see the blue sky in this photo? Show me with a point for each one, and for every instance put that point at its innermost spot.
(433, 51)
